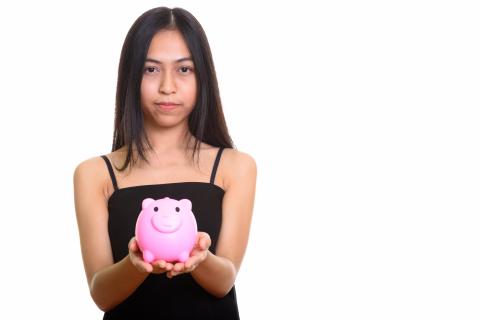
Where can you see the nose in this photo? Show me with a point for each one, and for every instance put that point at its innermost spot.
(167, 85)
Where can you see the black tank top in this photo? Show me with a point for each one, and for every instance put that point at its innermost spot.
(159, 297)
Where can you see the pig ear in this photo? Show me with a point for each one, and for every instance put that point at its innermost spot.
(187, 204)
(146, 202)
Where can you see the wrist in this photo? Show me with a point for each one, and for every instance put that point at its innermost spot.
(133, 269)
(209, 256)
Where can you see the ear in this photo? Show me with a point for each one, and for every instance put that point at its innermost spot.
(146, 202)
(186, 204)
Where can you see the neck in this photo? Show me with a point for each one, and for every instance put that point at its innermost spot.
(168, 140)
(168, 143)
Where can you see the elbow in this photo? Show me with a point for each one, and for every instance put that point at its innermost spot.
(224, 290)
(102, 307)
(219, 294)
(102, 303)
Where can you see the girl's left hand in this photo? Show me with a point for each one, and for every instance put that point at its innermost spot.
(197, 256)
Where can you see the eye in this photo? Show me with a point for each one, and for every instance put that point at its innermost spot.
(155, 209)
(149, 69)
(177, 209)
(185, 69)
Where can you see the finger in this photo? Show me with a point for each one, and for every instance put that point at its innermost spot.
(190, 268)
(134, 245)
(205, 241)
(161, 264)
(191, 262)
(176, 273)
(148, 267)
(178, 267)
(131, 244)
(209, 242)
(143, 264)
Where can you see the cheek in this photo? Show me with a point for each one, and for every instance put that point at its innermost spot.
(192, 88)
(147, 87)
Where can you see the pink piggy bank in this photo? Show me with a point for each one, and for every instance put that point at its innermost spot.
(166, 229)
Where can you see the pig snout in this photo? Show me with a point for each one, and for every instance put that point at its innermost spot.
(166, 223)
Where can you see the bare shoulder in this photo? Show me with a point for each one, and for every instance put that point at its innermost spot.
(238, 159)
(91, 168)
(238, 165)
(92, 172)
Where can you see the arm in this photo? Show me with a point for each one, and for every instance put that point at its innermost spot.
(217, 272)
(109, 283)
(113, 284)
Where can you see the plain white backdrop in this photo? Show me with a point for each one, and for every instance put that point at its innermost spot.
(363, 118)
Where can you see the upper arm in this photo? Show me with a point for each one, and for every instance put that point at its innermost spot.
(92, 216)
(237, 207)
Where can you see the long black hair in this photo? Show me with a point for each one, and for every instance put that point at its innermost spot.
(206, 122)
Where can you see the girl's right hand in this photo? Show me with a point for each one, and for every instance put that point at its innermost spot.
(136, 257)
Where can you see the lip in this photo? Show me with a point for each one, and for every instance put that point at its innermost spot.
(167, 105)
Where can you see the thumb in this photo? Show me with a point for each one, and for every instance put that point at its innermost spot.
(205, 241)
(133, 244)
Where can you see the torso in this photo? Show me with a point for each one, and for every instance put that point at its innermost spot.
(180, 297)
(174, 168)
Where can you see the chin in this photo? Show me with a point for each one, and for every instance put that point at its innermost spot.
(170, 123)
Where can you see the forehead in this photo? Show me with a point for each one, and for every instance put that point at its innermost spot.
(168, 46)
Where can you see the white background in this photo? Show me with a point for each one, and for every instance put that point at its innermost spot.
(363, 118)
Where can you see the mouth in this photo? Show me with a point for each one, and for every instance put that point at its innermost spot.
(167, 105)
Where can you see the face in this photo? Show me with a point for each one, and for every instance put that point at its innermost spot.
(168, 76)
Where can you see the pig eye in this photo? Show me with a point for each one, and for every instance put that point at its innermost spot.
(177, 209)
(155, 209)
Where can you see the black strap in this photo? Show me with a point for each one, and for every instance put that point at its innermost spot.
(110, 169)
(215, 165)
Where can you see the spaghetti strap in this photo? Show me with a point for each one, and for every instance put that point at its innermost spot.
(110, 170)
(215, 165)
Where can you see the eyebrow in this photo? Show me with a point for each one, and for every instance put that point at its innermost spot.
(178, 60)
